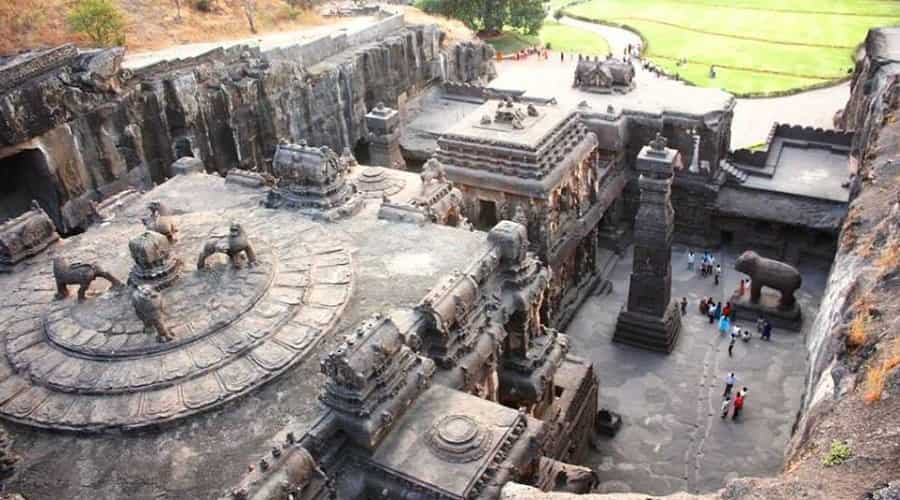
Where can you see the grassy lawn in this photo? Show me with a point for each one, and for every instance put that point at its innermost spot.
(558, 36)
(780, 26)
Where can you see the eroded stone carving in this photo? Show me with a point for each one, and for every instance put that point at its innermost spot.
(148, 306)
(313, 180)
(432, 171)
(232, 245)
(153, 261)
(604, 76)
(25, 236)
(771, 273)
(78, 273)
(162, 224)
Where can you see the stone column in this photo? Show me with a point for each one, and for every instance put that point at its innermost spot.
(651, 319)
(384, 137)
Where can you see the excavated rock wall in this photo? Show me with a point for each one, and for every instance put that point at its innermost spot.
(230, 107)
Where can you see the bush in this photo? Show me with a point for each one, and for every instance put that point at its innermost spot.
(203, 5)
(838, 454)
(100, 20)
(557, 14)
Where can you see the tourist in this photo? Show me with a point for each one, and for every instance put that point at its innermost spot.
(739, 403)
(727, 311)
(732, 313)
(730, 380)
(704, 306)
(731, 345)
(711, 312)
(767, 331)
(735, 332)
(726, 403)
(745, 335)
(760, 323)
(718, 272)
(724, 324)
(683, 306)
(690, 260)
(562, 57)
(718, 309)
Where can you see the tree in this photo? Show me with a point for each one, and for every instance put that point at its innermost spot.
(489, 17)
(100, 20)
(250, 12)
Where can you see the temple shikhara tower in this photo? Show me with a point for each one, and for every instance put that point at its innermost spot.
(652, 319)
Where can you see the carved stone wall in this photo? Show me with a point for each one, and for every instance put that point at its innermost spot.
(229, 108)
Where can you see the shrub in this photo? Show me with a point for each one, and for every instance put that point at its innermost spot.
(838, 454)
(557, 14)
(875, 378)
(203, 5)
(859, 326)
(100, 20)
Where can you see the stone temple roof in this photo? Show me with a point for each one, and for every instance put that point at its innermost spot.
(90, 366)
(515, 148)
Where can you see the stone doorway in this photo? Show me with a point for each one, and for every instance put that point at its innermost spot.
(25, 176)
(487, 214)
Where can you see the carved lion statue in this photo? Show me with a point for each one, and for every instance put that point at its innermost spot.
(232, 245)
(78, 273)
(148, 306)
(432, 171)
(771, 273)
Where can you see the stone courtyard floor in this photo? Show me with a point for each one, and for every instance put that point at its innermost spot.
(672, 438)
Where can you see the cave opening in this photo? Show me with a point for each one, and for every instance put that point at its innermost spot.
(361, 152)
(25, 176)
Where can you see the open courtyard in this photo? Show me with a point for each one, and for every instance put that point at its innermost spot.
(672, 437)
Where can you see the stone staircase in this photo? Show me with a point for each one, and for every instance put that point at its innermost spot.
(734, 173)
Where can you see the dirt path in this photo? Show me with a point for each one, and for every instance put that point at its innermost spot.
(264, 42)
(752, 117)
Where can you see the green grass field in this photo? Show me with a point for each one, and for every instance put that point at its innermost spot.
(780, 56)
(558, 36)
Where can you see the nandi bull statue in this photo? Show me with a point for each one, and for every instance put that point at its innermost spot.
(148, 306)
(771, 273)
(78, 273)
(232, 245)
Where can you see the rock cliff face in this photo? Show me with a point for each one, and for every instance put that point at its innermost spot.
(101, 129)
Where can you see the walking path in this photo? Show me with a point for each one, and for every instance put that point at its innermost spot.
(753, 118)
(265, 42)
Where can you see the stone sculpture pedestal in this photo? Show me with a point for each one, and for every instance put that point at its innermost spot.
(785, 318)
(384, 137)
(651, 319)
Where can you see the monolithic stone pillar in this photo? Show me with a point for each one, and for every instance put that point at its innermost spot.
(384, 137)
(651, 319)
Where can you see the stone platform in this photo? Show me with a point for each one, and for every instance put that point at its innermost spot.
(89, 366)
(784, 318)
(649, 332)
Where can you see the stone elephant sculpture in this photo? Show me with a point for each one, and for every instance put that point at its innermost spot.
(78, 273)
(771, 273)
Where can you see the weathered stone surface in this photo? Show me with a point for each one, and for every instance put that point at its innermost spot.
(227, 109)
(97, 368)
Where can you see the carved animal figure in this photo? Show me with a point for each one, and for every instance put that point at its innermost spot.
(432, 171)
(771, 273)
(232, 245)
(163, 225)
(78, 273)
(148, 306)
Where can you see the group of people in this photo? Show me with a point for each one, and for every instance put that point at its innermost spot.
(708, 265)
(738, 403)
(540, 52)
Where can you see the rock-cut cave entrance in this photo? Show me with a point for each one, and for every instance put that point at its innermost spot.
(25, 176)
